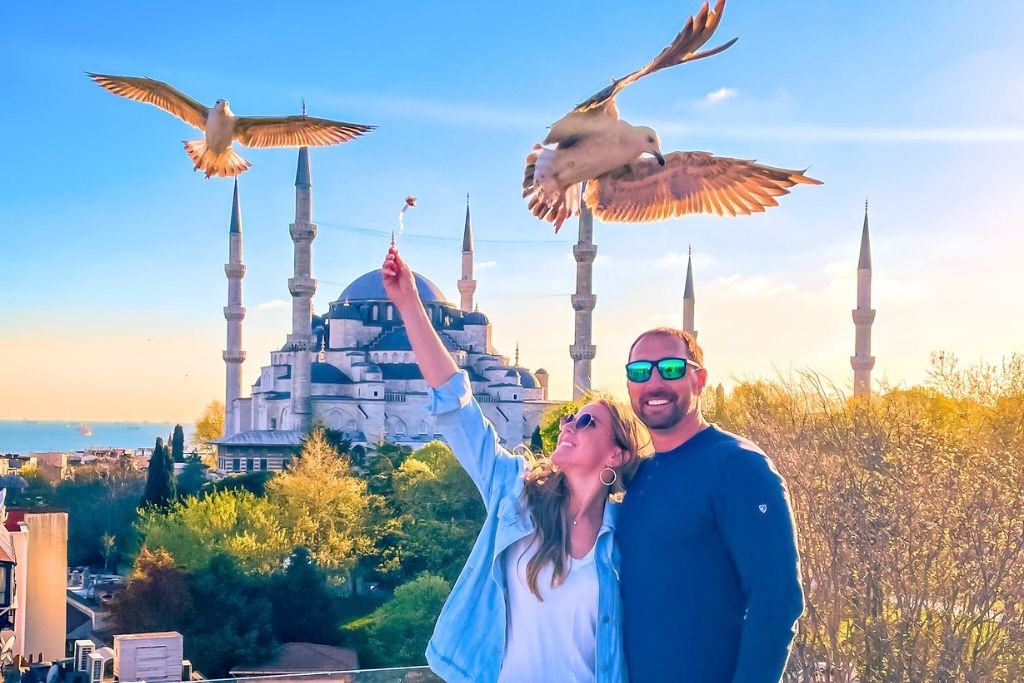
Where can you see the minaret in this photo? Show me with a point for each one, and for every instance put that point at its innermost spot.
(688, 300)
(583, 351)
(467, 285)
(863, 316)
(234, 313)
(302, 286)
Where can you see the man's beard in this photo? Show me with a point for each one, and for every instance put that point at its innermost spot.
(666, 419)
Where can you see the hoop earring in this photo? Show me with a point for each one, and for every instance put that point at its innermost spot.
(615, 476)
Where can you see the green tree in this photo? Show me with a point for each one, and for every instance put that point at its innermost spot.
(108, 542)
(233, 619)
(156, 597)
(536, 442)
(323, 506)
(178, 444)
(550, 423)
(160, 490)
(437, 514)
(253, 482)
(101, 500)
(237, 524)
(192, 478)
(293, 591)
(397, 633)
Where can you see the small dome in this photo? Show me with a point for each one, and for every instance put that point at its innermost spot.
(475, 318)
(527, 379)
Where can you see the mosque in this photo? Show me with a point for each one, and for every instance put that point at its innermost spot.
(352, 368)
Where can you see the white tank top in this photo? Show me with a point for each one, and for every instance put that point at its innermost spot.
(553, 640)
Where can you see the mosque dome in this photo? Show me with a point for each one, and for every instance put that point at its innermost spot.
(475, 318)
(527, 379)
(370, 287)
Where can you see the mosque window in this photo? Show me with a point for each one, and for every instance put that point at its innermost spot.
(374, 312)
(236, 465)
(250, 465)
(390, 312)
(263, 464)
(273, 423)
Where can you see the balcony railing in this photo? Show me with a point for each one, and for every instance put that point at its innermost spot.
(411, 674)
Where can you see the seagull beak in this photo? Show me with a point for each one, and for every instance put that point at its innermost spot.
(660, 158)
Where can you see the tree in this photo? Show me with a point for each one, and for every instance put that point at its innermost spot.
(397, 633)
(323, 506)
(253, 482)
(160, 489)
(108, 542)
(536, 442)
(437, 514)
(102, 500)
(292, 592)
(156, 597)
(237, 524)
(551, 421)
(178, 444)
(232, 619)
(192, 478)
(209, 427)
(908, 507)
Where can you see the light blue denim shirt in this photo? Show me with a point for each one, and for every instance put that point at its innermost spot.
(468, 644)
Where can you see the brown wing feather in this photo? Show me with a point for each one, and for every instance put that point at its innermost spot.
(157, 93)
(295, 131)
(683, 48)
(690, 182)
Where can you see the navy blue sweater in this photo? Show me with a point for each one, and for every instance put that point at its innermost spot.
(710, 574)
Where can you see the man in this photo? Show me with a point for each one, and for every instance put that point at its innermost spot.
(710, 574)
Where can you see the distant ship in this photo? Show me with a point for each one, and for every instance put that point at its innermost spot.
(85, 430)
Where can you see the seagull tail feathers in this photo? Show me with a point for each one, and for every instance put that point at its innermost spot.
(545, 199)
(224, 165)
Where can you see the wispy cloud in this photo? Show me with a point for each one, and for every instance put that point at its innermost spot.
(720, 95)
(485, 264)
(852, 134)
(272, 305)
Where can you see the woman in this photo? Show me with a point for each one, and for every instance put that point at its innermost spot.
(538, 599)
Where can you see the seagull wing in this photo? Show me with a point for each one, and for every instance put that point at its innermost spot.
(689, 182)
(295, 131)
(157, 93)
(697, 31)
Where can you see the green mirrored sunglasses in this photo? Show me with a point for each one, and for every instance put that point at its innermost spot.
(668, 368)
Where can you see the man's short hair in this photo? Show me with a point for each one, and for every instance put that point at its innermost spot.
(694, 349)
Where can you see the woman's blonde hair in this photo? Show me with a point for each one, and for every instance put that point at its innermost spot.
(548, 495)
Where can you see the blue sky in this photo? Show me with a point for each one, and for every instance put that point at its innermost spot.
(111, 278)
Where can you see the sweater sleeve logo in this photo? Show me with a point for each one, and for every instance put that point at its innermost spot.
(763, 508)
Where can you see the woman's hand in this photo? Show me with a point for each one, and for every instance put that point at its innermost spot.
(398, 280)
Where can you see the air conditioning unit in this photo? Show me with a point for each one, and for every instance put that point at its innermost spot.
(83, 648)
(186, 670)
(95, 668)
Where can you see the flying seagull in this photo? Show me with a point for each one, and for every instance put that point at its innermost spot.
(592, 145)
(214, 154)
